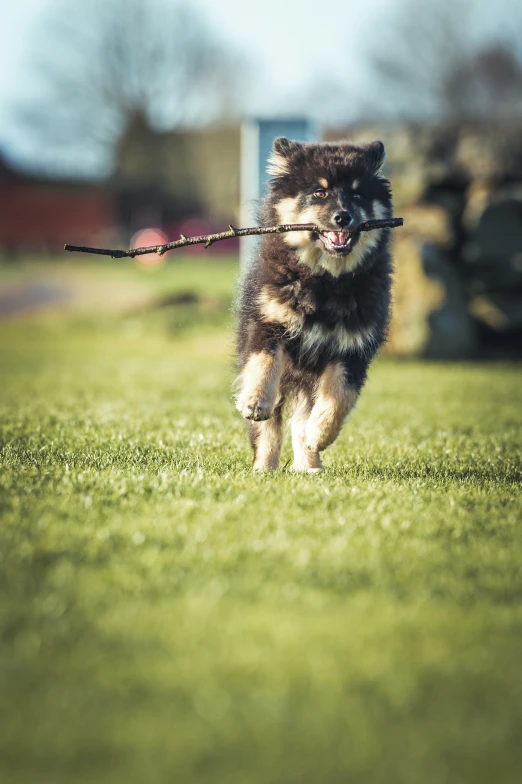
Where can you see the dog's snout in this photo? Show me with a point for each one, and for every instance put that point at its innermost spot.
(343, 219)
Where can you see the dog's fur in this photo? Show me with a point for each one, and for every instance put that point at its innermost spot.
(313, 307)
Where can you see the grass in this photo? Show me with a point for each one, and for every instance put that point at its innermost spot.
(165, 616)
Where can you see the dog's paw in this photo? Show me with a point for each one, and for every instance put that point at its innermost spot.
(255, 409)
(299, 468)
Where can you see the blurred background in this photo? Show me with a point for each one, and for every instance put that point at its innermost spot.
(121, 123)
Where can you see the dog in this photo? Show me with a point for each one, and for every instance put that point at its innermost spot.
(313, 307)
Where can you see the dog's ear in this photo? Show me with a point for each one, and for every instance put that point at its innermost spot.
(285, 147)
(282, 150)
(376, 155)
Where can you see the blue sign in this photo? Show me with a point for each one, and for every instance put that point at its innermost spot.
(257, 138)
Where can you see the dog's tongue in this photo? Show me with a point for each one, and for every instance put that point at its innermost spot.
(336, 237)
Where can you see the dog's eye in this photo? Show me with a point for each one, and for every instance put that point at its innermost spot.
(357, 196)
(320, 193)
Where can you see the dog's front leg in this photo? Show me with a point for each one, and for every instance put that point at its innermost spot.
(334, 399)
(259, 383)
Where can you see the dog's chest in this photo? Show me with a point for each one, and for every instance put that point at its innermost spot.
(315, 301)
(329, 317)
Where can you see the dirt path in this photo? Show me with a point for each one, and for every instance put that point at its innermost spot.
(25, 298)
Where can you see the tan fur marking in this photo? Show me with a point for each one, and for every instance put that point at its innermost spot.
(288, 212)
(313, 340)
(269, 436)
(277, 165)
(314, 257)
(260, 384)
(273, 310)
(346, 340)
(304, 459)
(333, 403)
(322, 182)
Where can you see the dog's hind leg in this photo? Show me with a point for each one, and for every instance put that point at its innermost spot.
(266, 438)
(304, 459)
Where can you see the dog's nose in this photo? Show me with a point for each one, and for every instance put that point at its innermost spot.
(343, 219)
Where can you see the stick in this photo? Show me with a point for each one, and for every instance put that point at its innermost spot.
(208, 239)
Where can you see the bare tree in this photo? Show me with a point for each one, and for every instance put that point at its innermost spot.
(102, 62)
(486, 85)
(429, 65)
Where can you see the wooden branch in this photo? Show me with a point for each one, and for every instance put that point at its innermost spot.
(208, 239)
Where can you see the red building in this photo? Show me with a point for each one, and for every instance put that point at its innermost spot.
(41, 215)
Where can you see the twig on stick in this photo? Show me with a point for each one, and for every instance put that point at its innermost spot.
(208, 239)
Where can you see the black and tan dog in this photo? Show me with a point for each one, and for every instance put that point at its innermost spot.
(313, 307)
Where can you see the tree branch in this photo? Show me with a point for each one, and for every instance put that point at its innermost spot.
(208, 239)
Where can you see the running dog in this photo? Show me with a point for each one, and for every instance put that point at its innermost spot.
(313, 307)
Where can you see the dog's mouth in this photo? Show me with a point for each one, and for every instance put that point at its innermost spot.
(339, 243)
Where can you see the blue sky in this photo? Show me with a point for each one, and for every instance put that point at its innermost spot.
(298, 48)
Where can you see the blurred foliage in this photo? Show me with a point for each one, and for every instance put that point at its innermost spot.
(429, 65)
(458, 257)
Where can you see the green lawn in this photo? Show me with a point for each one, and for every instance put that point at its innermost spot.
(166, 616)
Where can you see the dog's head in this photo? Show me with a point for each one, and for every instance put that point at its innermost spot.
(336, 187)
